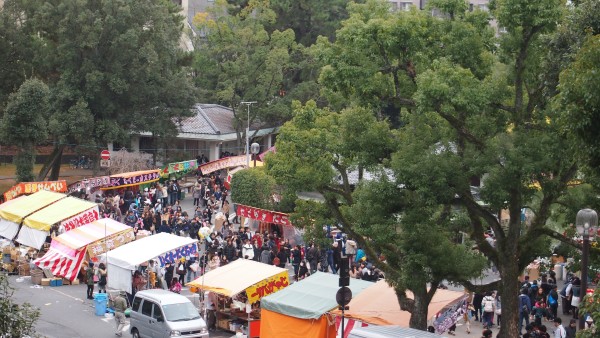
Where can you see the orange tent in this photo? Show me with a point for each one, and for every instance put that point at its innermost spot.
(379, 305)
(273, 324)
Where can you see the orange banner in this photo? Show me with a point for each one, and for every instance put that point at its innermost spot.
(32, 187)
(267, 287)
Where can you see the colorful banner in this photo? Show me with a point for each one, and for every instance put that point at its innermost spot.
(267, 287)
(175, 255)
(227, 162)
(92, 184)
(263, 215)
(83, 218)
(110, 243)
(121, 181)
(31, 187)
(448, 317)
(173, 168)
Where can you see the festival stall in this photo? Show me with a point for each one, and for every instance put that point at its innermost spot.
(378, 305)
(122, 261)
(270, 221)
(239, 286)
(132, 179)
(14, 211)
(301, 310)
(69, 212)
(67, 251)
(25, 188)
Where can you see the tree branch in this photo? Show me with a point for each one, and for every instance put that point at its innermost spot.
(460, 129)
(492, 286)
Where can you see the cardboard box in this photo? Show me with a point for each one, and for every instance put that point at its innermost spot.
(223, 324)
(46, 281)
(75, 282)
(66, 281)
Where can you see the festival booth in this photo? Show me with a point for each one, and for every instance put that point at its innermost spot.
(14, 211)
(122, 261)
(26, 188)
(301, 310)
(239, 286)
(132, 179)
(67, 251)
(269, 221)
(69, 212)
(378, 305)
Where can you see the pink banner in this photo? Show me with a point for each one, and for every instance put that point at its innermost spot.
(263, 215)
(83, 218)
(227, 162)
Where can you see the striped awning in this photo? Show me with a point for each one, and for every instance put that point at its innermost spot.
(61, 264)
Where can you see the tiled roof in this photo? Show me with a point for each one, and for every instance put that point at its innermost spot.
(210, 119)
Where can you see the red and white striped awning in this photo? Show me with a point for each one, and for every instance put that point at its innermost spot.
(61, 264)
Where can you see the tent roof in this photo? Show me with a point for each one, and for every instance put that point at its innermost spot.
(235, 277)
(310, 298)
(59, 211)
(17, 209)
(91, 232)
(379, 305)
(142, 250)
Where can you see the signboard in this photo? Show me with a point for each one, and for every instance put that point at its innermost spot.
(450, 316)
(105, 155)
(267, 287)
(91, 184)
(83, 218)
(176, 167)
(227, 162)
(263, 215)
(32, 187)
(104, 163)
(110, 243)
(174, 255)
(117, 182)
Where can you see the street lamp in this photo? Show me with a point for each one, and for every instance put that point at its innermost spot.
(248, 103)
(255, 149)
(586, 222)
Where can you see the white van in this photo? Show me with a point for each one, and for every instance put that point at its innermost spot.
(161, 313)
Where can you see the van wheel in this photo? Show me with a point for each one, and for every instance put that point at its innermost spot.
(135, 333)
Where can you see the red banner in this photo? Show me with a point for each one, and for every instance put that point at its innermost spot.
(263, 215)
(83, 218)
(31, 187)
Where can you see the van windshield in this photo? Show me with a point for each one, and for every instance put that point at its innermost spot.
(180, 312)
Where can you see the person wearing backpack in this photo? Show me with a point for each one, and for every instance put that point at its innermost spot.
(489, 305)
(553, 301)
(524, 309)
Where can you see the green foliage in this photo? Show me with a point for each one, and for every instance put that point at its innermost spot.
(590, 305)
(25, 123)
(253, 187)
(16, 320)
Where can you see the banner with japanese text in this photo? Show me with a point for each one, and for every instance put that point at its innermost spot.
(91, 183)
(32, 187)
(177, 167)
(174, 255)
(267, 287)
(83, 218)
(449, 316)
(227, 162)
(263, 215)
(110, 243)
(127, 180)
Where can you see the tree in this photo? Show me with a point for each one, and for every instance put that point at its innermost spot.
(229, 72)
(16, 320)
(591, 306)
(24, 124)
(112, 66)
(254, 188)
(319, 150)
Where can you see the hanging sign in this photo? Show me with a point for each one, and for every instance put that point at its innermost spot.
(177, 167)
(263, 215)
(83, 218)
(110, 243)
(174, 255)
(267, 287)
(227, 162)
(450, 316)
(32, 187)
(91, 184)
(121, 181)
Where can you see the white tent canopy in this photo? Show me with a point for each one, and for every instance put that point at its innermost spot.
(126, 258)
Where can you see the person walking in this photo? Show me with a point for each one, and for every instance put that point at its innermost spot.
(524, 309)
(90, 280)
(120, 304)
(572, 328)
(489, 305)
(559, 331)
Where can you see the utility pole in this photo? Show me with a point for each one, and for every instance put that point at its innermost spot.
(248, 103)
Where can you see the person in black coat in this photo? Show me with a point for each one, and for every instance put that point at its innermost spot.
(169, 274)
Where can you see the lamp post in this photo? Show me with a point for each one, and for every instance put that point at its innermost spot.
(586, 222)
(254, 149)
(248, 103)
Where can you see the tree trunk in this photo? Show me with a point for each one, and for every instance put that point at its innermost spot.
(57, 151)
(509, 273)
(55, 173)
(419, 316)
